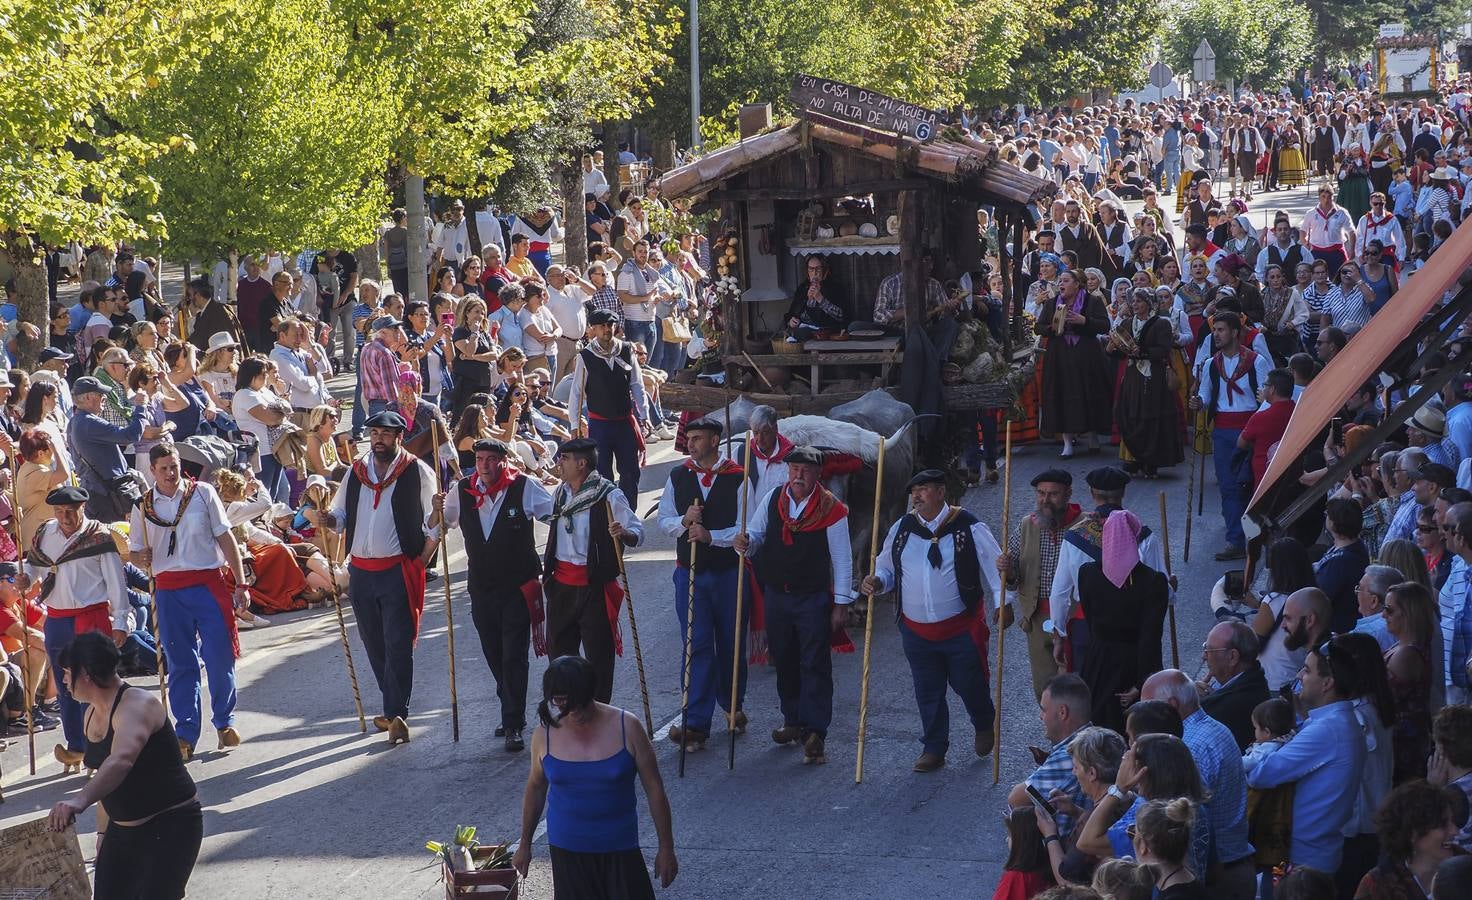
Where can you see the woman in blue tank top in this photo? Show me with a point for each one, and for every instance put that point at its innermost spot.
(585, 755)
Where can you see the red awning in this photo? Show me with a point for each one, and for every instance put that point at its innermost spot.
(1361, 360)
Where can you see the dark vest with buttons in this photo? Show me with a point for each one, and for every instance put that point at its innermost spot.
(968, 568)
(719, 510)
(507, 557)
(608, 389)
(803, 567)
(602, 557)
(408, 511)
(1288, 260)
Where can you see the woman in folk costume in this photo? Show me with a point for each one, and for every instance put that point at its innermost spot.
(1076, 395)
(1169, 307)
(1146, 407)
(1292, 168)
(1124, 602)
(1284, 310)
(1354, 182)
(1385, 157)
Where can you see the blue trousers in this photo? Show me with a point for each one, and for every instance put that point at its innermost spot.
(541, 259)
(973, 451)
(1229, 480)
(712, 643)
(192, 630)
(273, 476)
(386, 627)
(1172, 166)
(59, 632)
(641, 333)
(933, 665)
(798, 635)
(616, 441)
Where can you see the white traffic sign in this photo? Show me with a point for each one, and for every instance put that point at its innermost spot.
(1203, 64)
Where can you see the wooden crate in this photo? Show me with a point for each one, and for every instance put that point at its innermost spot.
(501, 884)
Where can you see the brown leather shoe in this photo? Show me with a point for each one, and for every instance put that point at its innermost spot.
(382, 723)
(186, 749)
(229, 737)
(398, 731)
(694, 740)
(812, 750)
(984, 741)
(929, 762)
(787, 734)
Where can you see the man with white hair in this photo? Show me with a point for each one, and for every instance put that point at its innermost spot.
(1230, 874)
(1369, 594)
(769, 451)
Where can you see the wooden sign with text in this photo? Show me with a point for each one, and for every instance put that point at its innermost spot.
(37, 862)
(861, 106)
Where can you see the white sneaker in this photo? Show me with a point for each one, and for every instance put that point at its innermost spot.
(664, 433)
(652, 438)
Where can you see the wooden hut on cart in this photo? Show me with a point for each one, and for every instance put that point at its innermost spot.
(869, 183)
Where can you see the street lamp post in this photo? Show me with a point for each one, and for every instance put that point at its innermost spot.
(695, 75)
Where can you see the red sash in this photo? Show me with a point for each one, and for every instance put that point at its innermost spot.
(413, 570)
(212, 580)
(574, 575)
(97, 617)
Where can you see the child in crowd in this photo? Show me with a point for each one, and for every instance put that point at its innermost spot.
(1272, 723)
(1124, 879)
(1027, 871)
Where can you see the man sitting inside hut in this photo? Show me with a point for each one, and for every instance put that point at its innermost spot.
(818, 305)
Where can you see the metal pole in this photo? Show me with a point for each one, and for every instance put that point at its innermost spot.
(695, 141)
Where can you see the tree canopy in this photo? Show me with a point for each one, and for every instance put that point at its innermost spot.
(1261, 41)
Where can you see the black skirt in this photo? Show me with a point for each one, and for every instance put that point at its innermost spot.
(600, 876)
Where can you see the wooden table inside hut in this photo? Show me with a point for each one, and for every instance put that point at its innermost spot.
(884, 352)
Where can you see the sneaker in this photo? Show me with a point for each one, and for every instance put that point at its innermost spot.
(42, 721)
(791, 339)
(664, 433)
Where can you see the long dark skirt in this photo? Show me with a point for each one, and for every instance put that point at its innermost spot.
(1146, 412)
(1125, 628)
(1076, 388)
(600, 876)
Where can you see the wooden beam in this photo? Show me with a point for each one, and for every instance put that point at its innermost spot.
(912, 279)
(858, 188)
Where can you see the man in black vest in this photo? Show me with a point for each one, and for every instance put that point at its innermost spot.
(806, 571)
(1284, 252)
(494, 508)
(701, 505)
(934, 557)
(580, 567)
(384, 506)
(606, 377)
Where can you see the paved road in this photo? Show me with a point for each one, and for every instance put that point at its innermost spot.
(308, 807)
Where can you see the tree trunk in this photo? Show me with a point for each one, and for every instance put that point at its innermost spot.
(32, 302)
(664, 154)
(610, 164)
(232, 276)
(368, 263)
(574, 221)
(418, 239)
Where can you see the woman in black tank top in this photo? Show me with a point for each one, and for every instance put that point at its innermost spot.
(150, 824)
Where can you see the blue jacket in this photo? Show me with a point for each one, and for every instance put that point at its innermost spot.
(98, 445)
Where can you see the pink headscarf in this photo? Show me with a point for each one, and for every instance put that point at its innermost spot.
(1121, 546)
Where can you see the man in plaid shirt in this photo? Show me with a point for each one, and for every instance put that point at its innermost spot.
(1456, 610)
(604, 296)
(889, 304)
(1065, 709)
(1031, 560)
(378, 364)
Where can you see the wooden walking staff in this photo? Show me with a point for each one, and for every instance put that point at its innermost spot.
(689, 647)
(1175, 650)
(1001, 606)
(869, 615)
(158, 645)
(342, 624)
(25, 647)
(736, 642)
(618, 551)
(439, 477)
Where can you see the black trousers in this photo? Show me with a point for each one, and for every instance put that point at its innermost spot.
(620, 875)
(577, 619)
(505, 628)
(152, 861)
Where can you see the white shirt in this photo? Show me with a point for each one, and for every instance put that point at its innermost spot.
(839, 553)
(580, 382)
(84, 582)
(1065, 578)
(573, 548)
(642, 311)
(454, 240)
(374, 534)
(670, 516)
(243, 401)
(928, 594)
(595, 182)
(534, 499)
(195, 546)
(1279, 664)
(307, 390)
(766, 476)
(1320, 230)
(1388, 232)
(1244, 398)
(567, 308)
(547, 325)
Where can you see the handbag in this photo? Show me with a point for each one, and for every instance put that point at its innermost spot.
(288, 444)
(675, 329)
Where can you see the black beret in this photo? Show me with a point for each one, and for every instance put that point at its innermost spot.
(1053, 476)
(602, 317)
(1108, 478)
(579, 445)
(491, 445)
(67, 495)
(926, 476)
(811, 456)
(386, 419)
(705, 425)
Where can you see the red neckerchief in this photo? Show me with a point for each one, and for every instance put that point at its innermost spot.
(779, 453)
(708, 476)
(482, 493)
(821, 511)
(1245, 360)
(360, 469)
(1388, 217)
(1323, 216)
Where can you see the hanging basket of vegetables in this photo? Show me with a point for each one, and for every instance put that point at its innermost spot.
(471, 869)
